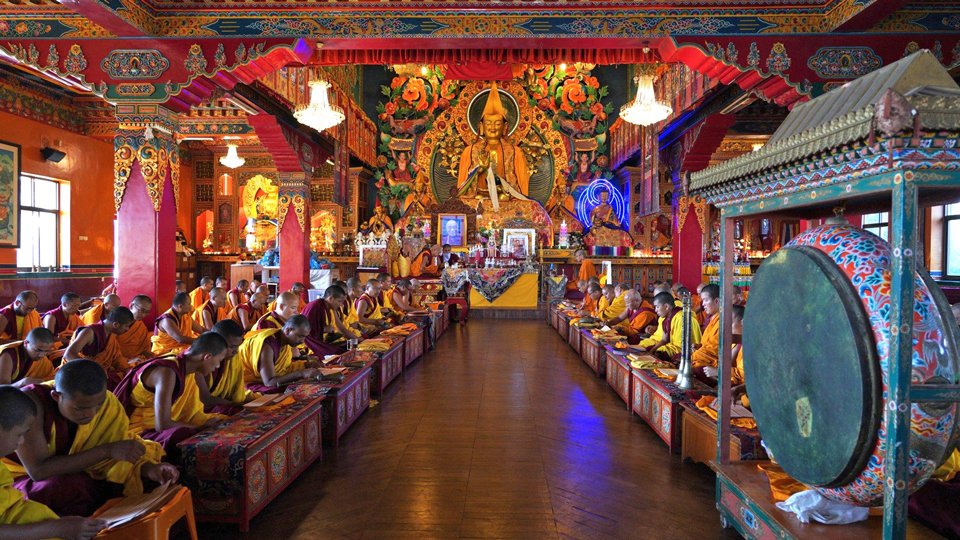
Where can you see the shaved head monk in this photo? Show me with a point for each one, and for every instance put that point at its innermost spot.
(64, 319)
(708, 352)
(592, 299)
(99, 312)
(135, 342)
(297, 289)
(610, 305)
(323, 314)
(79, 452)
(668, 338)
(368, 309)
(287, 305)
(179, 287)
(637, 316)
(98, 342)
(248, 313)
(21, 518)
(25, 362)
(174, 329)
(267, 356)
(20, 317)
(237, 295)
(202, 293)
(223, 391)
(213, 310)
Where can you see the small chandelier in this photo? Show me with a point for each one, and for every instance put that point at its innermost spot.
(645, 109)
(232, 160)
(319, 114)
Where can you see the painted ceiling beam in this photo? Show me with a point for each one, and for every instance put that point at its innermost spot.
(870, 15)
(114, 16)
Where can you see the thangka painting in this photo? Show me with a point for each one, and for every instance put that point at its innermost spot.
(9, 194)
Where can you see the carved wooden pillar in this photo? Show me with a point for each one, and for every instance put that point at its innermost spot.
(146, 186)
(293, 220)
(688, 236)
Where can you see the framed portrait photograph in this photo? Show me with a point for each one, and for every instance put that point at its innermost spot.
(452, 229)
(519, 243)
(9, 194)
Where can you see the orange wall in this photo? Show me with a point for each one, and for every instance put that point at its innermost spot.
(88, 167)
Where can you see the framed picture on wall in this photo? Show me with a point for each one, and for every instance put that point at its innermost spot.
(453, 229)
(9, 195)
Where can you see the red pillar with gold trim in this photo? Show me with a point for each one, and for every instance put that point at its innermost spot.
(294, 230)
(688, 243)
(146, 181)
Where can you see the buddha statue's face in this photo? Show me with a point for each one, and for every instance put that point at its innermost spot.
(493, 127)
(604, 197)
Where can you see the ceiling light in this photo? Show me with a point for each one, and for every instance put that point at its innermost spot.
(232, 160)
(319, 114)
(645, 109)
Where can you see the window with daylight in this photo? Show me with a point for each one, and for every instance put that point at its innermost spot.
(42, 205)
(951, 241)
(878, 224)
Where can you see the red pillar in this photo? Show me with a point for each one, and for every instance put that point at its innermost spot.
(294, 234)
(146, 251)
(688, 249)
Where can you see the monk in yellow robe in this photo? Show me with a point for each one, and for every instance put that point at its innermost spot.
(369, 314)
(25, 362)
(64, 319)
(401, 298)
(298, 289)
(247, 314)
(286, 306)
(423, 264)
(237, 295)
(668, 338)
(202, 293)
(20, 317)
(267, 356)
(175, 330)
(21, 518)
(610, 306)
(79, 451)
(591, 300)
(161, 396)
(349, 310)
(223, 391)
(135, 342)
(98, 342)
(100, 311)
(213, 310)
(637, 315)
(708, 352)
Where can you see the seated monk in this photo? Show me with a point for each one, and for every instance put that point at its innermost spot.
(25, 362)
(202, 293)
(937, 503)
(587, 268)
(223, 283)
(20, 317)
(98, 342)
(636, 317)
(179, 287)
(423, 265)
(706, 355)
(386, 285)
(667, 340)
(237, 295)
(174, 330)
(267, 356)
(698, 309)
(64, 319)
(349, 310)
(591, 300)
(324, 318)
(161, 395)
(255, 285)
(738, 384)
(369, 315)
(20, 518)
(223, 391)
(297, 290)
(287, 305)
(401, 298)
(79, 451)
(135, 342)
(213, 310)
(610, 305)
(248, 313)
(100, 311)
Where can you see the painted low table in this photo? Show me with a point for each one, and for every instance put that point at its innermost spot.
(592, 353)
(234, 469)
(574, 338)
(385, 367)
(346, 401)
(619, 373)
(658, 401)
(699, 438)
(413, 346)
(564, 327)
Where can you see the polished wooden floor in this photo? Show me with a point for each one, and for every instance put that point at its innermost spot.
(501, 432)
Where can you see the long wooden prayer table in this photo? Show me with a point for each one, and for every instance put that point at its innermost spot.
(235, 468)
(424, 322)
(413, 346)
(619, 373)
(658, 401)
(564, 327)
(592, 352)
(699, 438)
(347, 400)
(745, 502)
(574, 339)
(385, 366)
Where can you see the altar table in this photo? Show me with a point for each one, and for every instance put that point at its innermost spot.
(235, 468)
(523, 294)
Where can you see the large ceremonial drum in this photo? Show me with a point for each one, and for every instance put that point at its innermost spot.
(816, 355)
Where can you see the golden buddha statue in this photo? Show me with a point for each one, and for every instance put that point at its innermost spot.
(493, 162)
(378, 223)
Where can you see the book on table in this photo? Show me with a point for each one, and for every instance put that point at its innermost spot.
(132, 508)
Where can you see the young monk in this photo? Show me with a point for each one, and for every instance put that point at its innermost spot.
(79, 451)
(213, 310)
(287, 305)
(297, 290)
(668, 338)
(637, 316)
(179, 287)
(64, 319)
(610, 305)
(386, 289)
(25, 362)
(223, 391)
(368, 309)
(591, 300)
(20, 317)
(248, 313)
(401, 298)
(161, 395)
(324, 318)
(174, 330)
(708, 352)
(349, 310)
(20, 518)
(98, 342)
(202, 293)
(99, 312)
(267, 356)
(237, 295)
(135, 342)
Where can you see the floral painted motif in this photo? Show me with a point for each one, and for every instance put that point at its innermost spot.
(195, 62)
(844, 62)
(75, 62)
(778, 61)
(753, 57)
(135, 64)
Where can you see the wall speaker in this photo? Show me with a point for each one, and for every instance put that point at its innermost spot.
(52, 154)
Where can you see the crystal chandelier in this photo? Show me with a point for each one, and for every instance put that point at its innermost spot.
(319, 114)
(645, 109)
(232, 160)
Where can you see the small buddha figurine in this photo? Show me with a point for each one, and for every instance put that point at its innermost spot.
(603, 214)
(378, 223)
